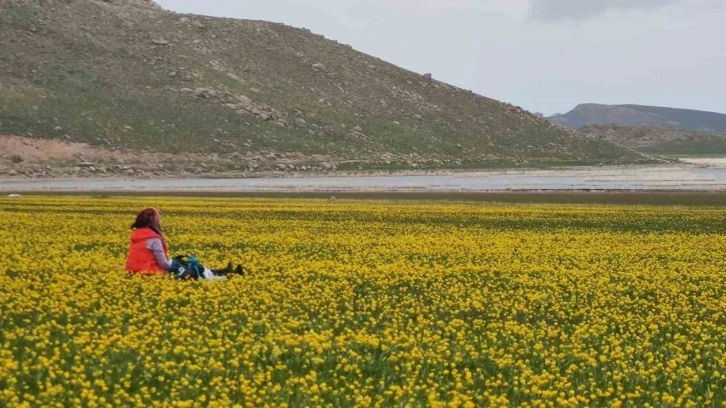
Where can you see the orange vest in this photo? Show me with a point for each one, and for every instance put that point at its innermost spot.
(141, 259)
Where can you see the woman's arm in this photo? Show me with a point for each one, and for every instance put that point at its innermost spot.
(155, 245)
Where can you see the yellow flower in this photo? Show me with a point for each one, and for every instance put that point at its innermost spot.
(364, 303)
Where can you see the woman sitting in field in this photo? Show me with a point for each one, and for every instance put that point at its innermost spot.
(149, 255)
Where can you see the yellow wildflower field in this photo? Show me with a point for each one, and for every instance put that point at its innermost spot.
(356, 303)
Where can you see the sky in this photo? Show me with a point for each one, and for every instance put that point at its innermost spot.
(543, 55)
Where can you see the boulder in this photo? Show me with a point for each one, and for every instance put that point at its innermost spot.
(244, 99)
(428, 76)
(160, 41)
(205, 93)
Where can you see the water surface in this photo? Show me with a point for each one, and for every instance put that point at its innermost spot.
(636, 178)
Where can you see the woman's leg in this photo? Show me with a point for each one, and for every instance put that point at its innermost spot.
(229, 270)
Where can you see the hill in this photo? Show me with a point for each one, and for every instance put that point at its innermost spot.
(663, 141)
(126, 76)
(637, 115)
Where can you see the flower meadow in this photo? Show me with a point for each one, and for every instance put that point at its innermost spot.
(365, 303)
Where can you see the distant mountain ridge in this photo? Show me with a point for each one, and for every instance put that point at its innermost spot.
(588, 114)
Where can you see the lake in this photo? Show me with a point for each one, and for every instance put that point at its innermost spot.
(683, 177)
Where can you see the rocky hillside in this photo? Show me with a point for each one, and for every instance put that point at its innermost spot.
(637, 115)
(663, 141)
(124, 75)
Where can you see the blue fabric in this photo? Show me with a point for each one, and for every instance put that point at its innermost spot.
(187, 269)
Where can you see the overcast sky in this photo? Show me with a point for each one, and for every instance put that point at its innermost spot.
(544, 55)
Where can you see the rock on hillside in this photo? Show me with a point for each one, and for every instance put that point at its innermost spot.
(637, 115)
(124, 74)
(134, 3)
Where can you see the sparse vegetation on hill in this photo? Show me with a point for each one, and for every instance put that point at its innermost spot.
(665, 141)
(125, 75)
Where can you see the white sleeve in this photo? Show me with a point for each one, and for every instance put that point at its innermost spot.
(157, 247)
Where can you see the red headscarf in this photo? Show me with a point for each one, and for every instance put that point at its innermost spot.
(148, 218)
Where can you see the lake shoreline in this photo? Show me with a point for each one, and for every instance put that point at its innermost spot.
(696, 176)
(368, 173)
(656, 198)
(719, 161)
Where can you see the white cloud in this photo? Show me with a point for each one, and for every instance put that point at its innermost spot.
(556, 10)
(424, 5)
